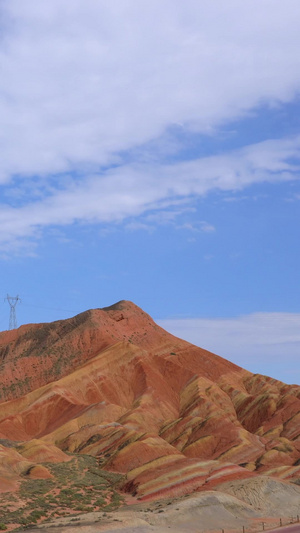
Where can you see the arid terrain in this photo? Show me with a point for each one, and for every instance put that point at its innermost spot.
(109, 423)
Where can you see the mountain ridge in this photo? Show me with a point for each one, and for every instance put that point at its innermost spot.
(96, 330)
(170, 417)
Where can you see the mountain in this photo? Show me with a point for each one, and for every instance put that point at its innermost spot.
(164, 417)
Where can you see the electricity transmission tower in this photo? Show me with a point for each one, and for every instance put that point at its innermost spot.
(12, 300)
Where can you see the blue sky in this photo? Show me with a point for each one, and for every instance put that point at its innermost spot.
(150, 151)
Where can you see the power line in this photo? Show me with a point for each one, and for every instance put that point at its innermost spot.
(51, 308)
(13, 301)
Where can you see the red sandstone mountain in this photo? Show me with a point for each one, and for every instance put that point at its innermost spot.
(112, 384)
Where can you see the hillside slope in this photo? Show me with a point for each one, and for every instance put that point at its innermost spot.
(169, 416)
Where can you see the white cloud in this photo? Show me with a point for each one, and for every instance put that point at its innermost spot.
(132, 190)
(84, 84)
(201, 226)
(206, 227)
(267, 343)
(83, 80)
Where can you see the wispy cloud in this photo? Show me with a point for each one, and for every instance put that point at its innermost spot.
(201, 226)
(267, 343)
(94, 96)
(133, 190)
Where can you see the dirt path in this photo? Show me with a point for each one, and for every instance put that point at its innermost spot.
(209, 512)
